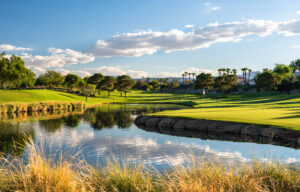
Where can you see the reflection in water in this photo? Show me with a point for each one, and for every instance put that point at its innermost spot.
(108, 131)
(13, 137)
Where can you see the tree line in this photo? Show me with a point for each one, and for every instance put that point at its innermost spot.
(14, 75)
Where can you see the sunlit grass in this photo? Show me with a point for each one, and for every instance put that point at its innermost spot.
(71, 173)
(271, 108)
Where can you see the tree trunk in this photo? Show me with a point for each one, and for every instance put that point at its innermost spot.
(121, 94)
(98, 91)
(86, 98)
(108, 93)
(125, 94)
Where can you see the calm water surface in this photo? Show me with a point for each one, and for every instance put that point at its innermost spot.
(108, 131)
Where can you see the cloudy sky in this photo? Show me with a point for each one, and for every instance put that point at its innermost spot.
(150, 37)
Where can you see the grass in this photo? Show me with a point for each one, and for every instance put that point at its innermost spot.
(41, 173)
(273, 109)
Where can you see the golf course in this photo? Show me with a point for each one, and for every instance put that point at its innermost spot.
(266, 108)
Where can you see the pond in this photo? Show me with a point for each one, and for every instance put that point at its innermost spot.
(108, 131)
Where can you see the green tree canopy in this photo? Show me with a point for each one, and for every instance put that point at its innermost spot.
(204, 81)
(50, 78)
(71, 80)
(267, 80)
(107, 84)
(155, 85)
(95, 78)
(282, 70)
(124, 83)
(295, 65)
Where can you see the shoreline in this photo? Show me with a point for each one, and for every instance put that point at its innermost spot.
(177, 125)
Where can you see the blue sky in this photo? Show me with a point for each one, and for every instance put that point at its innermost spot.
(150, 38)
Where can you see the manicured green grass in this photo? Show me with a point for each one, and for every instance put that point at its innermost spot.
(275, 109)
(29, 96)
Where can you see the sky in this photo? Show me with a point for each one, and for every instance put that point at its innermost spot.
(150, 38)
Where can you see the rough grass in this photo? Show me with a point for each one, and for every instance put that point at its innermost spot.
(41, 173)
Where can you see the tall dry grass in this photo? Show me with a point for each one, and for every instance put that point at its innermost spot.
(69, 172)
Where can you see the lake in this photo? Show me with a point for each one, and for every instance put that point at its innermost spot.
(108, 131)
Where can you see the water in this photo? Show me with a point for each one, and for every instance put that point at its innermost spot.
(108, 131)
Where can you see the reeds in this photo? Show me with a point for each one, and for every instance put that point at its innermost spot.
(41, 107)
(71, 173)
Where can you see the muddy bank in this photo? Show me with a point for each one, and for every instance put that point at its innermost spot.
(207, 129)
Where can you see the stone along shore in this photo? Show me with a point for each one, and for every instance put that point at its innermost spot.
(218, 127)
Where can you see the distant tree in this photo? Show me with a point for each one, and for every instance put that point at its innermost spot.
(155, 85)
(124, 84)
(225, 82)
(249, 73)
(19, 73)
(287, 84)
(88, 90)
(107, 84)
(81, 84)
(50, 78)
(282, 70)
(30, 79)
(295, 65)
(95, 79)
(267, 80)
(244, 70)
(71, 80)
(174, 84)
(139, 84)
(5, 70)
(204, 81)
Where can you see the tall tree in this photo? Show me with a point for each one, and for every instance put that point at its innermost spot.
(95, 79)
(124, 83)
(174, 84)
(107, 84)
(295, 65)
(71, 80)
(5, 71)
(267, 80)
(282, 70)
(88, 90)
(50, 78)
(204, 81)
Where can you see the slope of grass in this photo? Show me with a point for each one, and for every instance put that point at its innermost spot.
(70, 173)
(30, 96)
(275, 109)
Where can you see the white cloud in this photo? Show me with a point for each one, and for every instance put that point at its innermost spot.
(298, 12)
(189, 26)
(209, 7)
(295, 47)
(149, 42)
(289, 28)
(57, 58)
(7, 47)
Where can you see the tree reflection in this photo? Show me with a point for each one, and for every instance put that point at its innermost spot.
(13, 137)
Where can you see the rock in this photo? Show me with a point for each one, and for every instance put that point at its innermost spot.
(249, 130)
(215, 127)
(141, 120)
(166, 123)
(180, 125)
(153, 122)
(199, 125)
(270, 132)
(236, 129)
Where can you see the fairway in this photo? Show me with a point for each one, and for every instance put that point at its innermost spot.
(275, 109)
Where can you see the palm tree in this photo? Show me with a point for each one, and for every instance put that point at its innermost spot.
(234, 71)
(186, 74)
(227, 71)
(244, 70)
(189, 74)
(219, 71)
(194, 75)
(249, 73)
(183, 75)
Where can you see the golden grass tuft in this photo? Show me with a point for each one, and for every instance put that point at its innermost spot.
(42, 173)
